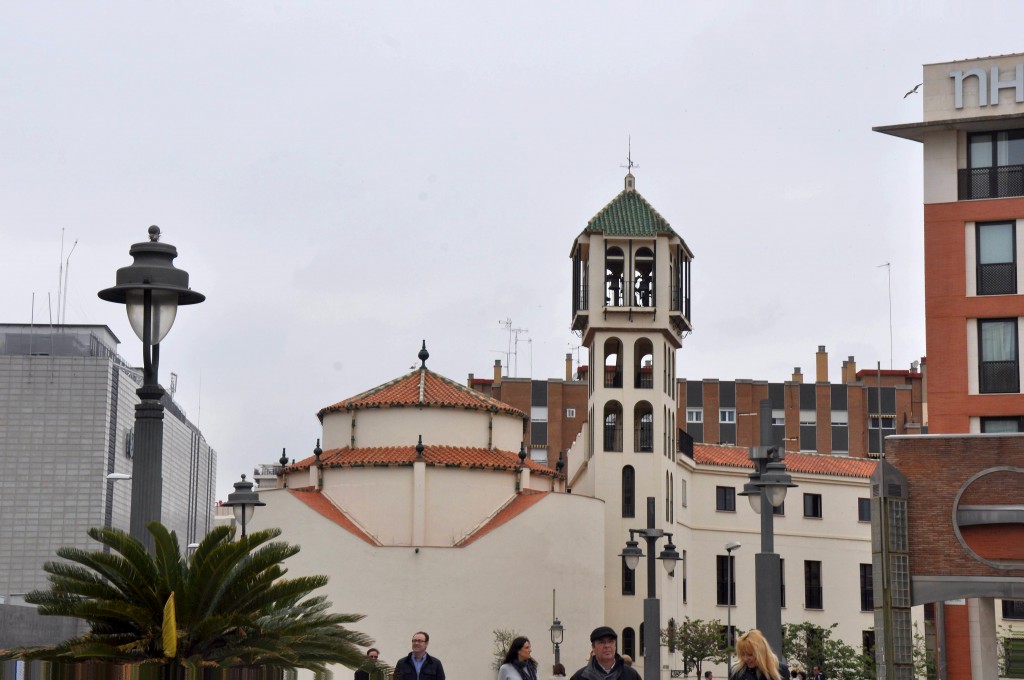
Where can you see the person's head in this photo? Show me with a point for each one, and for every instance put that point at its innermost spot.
(817, 670)
(518, 651)
(420, 640)
(627, 659)
(558, 670)
(602, 644)
(707, 675)
(753, 652)
(372, 653)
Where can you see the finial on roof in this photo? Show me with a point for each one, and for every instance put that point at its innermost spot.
(154, 233)
(317, 451)
(419, 448)
(423, 355)
(522, 453)
(561, 463)
(630, 180)
(284, 459)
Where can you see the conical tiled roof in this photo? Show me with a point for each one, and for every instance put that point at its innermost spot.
(419, 388)
(629, 214)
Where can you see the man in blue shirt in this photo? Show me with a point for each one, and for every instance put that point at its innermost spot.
(419, 665)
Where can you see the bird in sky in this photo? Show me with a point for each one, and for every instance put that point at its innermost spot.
(914, 91)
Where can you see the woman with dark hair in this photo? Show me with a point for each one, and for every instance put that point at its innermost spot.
(518, 664)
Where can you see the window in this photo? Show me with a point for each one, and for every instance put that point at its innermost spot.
(867, 591)
(643, 435)
(998, 368)
(812, 505)
(779, 509)
(813, 598)
(995, 166)
(780, 420)
(628, 491)
(863, 509)
(641, 639)
(725, 499)
(867, 641)
(682, 492)
(570, 413)
(1013, 609)
(887, 422)
(725, 566)
(694, 415)
(628, 579)
(727, 415)
(613, 426)
(629, 642)
(683, 566)
(782, 580)
(996, 425)
(727, 636)
(997, 262)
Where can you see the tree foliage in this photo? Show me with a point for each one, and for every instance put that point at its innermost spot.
(503, 638)
(229, 604)
(813, 645)
(696, 641)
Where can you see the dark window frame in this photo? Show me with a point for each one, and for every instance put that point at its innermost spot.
(1005, 273)
(863, 509)
(992, 377)
(1013, 609)
(813, 506)
(725, 569)
(867, 590)
(628, 491)
(725, 499)
(814, 597)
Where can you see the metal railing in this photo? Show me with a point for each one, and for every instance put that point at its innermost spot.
(997, 278)
(998, 377)
(1001, 181)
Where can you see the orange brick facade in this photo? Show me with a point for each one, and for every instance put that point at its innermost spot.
(947, 309)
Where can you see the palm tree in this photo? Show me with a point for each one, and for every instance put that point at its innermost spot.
(226, 606)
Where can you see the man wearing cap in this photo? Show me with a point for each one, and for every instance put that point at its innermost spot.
(604, 663)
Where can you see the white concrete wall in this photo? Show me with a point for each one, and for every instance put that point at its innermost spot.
(403, 426)
(460, 595)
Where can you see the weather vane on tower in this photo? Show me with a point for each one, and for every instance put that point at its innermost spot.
(629, 156)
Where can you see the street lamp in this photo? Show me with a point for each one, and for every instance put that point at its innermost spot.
(729, 602)
(767, 490)
(243, 501)
(557, 631)
(151, 288)
(631, 555)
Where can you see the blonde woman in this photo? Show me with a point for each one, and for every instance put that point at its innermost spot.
(756, 660)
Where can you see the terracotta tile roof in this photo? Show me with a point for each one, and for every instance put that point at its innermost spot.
(803, 463)
(519, 504)
(323, 505)
(422, 387)
(435, 456)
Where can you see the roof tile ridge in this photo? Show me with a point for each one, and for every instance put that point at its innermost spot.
(423, 383)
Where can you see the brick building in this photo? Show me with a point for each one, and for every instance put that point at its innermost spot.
(972, 136)
(850, 417)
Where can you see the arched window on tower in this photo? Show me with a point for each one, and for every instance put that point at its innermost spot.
(613, 426)
(612, 363)
(643, 369)
(614, 273)
(643, 417)
(643, 277)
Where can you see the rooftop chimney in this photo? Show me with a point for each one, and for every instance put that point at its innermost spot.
(798, 377)
(497, 371)
(568, 366)
(821, 365)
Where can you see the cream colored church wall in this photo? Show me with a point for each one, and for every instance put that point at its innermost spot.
(458, 501)
(460, 595)
(360, 492)
(402, 427)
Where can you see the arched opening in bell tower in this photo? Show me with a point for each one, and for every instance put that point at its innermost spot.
(643, 418)
(615, 269)
(613, 363)
(613, 426)
(643, 277)
(643, 364)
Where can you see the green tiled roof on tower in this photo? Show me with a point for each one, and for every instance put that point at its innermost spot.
(629, 214)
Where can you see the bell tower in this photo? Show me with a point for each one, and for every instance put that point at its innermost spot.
(631, 307)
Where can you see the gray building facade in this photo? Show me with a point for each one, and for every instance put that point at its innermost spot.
(67, 413)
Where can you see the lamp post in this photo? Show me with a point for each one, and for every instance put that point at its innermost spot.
(151, 288)
(729, 602)
(243, 501)
(766, 490)
(631, 554)
(557, 631)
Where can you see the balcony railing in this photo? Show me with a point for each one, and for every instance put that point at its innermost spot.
(1002, 181)
(999, 278)
(999, 377)
(644, 437)
(612, 377)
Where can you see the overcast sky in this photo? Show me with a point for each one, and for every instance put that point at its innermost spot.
(344, 180)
